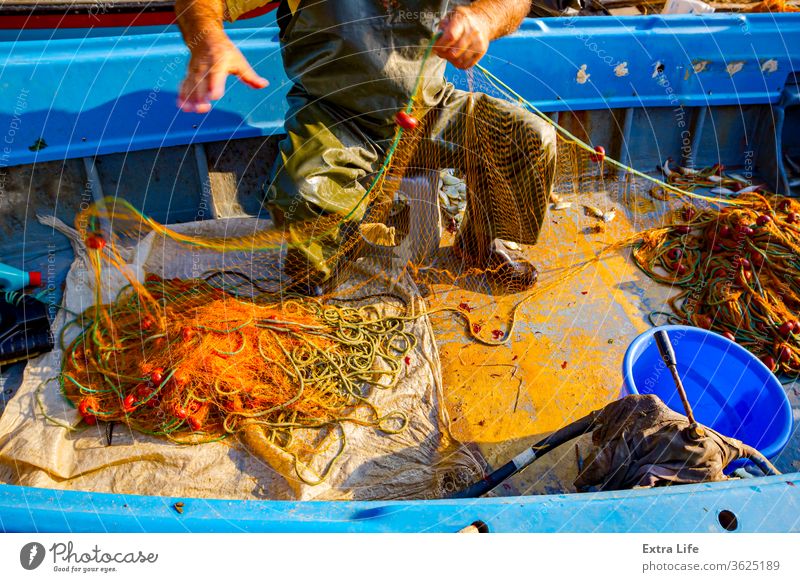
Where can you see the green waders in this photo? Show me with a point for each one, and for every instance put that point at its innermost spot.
(355, 63)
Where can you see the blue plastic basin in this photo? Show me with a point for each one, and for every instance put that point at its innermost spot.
(729, 389)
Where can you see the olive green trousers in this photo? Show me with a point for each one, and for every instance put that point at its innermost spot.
(328, 160)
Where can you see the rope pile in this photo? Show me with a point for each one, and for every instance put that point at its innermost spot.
(190, 362)
(738, 269)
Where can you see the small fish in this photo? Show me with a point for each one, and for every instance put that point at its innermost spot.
(665, 167)
(752, 188)
(555, 198)
(720, 191)
(452, 193)
(592, 211)
(687, 171)
(449, 179)
(738, 178)
(562, 205)
(609, 216)
(716, 178)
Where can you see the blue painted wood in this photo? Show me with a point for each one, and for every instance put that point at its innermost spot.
(760, 505)
(108, 93)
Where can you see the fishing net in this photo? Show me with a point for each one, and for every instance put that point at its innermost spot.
(230, 349)
(207, 364)
(736, 271)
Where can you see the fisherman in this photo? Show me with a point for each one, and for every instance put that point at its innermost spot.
(355, 64)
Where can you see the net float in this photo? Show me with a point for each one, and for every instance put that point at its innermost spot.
(763, 219)
(599, 154)
(85, 408)
(95, 242)
(786, 328)
(128, 405)
(157, 376)
(769, 362)
(703, 321)
(405, 120)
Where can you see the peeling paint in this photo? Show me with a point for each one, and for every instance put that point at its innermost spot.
(734, 67)
(700, 66)
(582, 75)
(658, 68)
(769, 66)
(621, 70)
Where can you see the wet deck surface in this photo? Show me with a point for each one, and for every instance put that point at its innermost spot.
(565, 354)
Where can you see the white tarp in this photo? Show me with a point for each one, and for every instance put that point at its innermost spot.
(38, 452)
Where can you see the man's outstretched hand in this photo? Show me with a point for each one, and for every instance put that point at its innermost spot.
(212, 60)
(465, 37)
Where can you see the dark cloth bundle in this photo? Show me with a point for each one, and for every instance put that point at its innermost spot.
(642, 443)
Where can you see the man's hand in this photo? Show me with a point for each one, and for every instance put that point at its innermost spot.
(213, 55)
(465, 38)
(467, 30)
(213, 59)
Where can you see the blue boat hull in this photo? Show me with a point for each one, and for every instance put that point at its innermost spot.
(113, 91)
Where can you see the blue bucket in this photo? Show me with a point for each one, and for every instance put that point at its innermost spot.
(729, 389)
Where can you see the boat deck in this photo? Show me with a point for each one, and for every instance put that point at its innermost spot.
(565, 356)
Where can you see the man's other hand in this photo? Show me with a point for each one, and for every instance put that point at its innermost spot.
(465, 37)
(212, 60)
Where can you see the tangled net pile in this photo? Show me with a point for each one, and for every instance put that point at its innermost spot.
(738, 267)
(190, 362)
